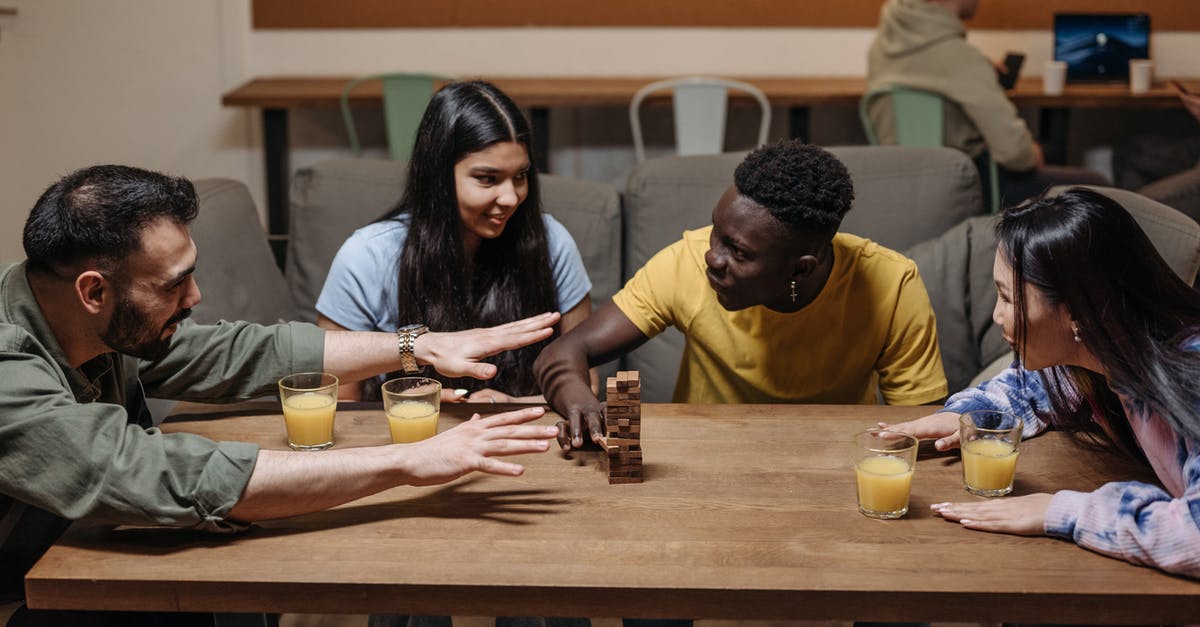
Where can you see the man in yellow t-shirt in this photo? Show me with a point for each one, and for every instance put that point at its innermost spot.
(775, 305)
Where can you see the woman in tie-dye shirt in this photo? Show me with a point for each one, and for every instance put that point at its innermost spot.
(1109, 343)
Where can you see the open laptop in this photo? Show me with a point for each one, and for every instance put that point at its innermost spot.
(1098, 46)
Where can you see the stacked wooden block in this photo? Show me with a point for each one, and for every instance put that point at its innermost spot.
(623, 428)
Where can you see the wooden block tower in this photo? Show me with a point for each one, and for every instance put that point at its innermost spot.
(623, 428)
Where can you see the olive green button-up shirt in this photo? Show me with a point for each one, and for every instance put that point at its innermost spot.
(79, 442)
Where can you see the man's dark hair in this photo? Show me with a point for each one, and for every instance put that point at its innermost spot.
(805, 187)
(97, 215)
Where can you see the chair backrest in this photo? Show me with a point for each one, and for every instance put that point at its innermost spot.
(902, 196)
(405, 96)
(918, 118)
(699, 104)
(236, 271)
(332, 198)
(918, 115)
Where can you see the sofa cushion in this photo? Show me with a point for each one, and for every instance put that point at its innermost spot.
(235, 269)
(329, 201)
(956, 267)
(333, 198)
(903, 195)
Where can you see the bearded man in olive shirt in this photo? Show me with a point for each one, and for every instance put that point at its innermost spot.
(94, 321)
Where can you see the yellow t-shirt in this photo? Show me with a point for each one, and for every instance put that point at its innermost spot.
(871, 324)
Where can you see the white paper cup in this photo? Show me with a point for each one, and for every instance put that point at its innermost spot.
(1054, 78)
(1141, 72)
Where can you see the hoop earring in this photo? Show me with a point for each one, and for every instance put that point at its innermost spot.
(1075, 332)
(795, 296)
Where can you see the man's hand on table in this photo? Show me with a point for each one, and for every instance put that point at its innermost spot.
(582, 412)
(475, 444)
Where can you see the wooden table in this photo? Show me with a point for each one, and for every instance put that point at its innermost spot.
(275, 96)
(746, 512)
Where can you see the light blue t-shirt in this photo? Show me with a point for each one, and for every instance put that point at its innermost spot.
(361, 294)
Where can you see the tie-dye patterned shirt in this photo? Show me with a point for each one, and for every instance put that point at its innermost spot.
(1134, 521)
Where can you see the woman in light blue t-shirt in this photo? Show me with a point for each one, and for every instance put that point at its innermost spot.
(466, 246)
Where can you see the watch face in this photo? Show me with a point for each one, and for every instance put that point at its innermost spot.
(412, 328)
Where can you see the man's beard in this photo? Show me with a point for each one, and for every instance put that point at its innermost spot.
(131, 332)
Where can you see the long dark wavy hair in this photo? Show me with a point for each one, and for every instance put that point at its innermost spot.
(1085, 251)
(510, 277)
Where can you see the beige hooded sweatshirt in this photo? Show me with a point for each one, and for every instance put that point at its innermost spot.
(924, 46)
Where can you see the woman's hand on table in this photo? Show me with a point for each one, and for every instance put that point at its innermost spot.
(1019, 515)
(454, 396)
(474, 446)
(943, 426)
(488, 395)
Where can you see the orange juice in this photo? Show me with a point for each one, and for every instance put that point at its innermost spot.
(309, 419)
(883, 484)
(989, 466)
(412, 421)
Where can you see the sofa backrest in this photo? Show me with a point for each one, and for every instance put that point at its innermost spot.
(1175, 235)
(333, 198)
(903, 196)
(235, 269)
(957, 269)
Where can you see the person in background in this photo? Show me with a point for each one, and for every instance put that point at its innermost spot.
(1108, 345)
(775, 304)
(922, 44)
(467, 245)
(1165, 168)
(95, 320)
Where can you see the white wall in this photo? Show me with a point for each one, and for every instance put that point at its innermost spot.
(121, 81)
(139, 81)
(628, 51)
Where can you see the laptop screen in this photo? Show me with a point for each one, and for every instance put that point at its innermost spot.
(1098, 47)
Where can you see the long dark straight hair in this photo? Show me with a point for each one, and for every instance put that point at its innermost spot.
(510, 276)
(1085, 251)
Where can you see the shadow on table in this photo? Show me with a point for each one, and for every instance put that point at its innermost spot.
(454, 501)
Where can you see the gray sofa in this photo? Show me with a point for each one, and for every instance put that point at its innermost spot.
(920, 201)
(333, 198)
(939, 188)
(902, 196)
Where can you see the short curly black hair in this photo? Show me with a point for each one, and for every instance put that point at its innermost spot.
(803, 186)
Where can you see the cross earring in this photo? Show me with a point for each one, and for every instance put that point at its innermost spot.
(1075, 331)
(795, 296)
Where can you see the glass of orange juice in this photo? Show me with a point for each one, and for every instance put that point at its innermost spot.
(412, 405)
(990, 442)
(883, 464)
(309, 403)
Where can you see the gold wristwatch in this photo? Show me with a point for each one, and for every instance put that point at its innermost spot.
(407, 335)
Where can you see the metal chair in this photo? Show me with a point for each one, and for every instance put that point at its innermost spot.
(405, 96)
(918, 115)
(700, 104)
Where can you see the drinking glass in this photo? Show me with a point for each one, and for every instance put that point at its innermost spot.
(990, 441)
(412, 405)
(309, 404)
(883, 464)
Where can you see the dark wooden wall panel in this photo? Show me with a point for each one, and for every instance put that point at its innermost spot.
(1015, 14)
